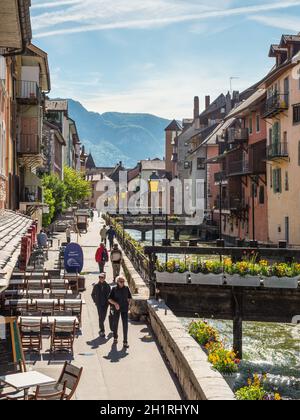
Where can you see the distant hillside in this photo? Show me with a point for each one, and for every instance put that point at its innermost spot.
(113, 137)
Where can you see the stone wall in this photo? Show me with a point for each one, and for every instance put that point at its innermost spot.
(187, 360)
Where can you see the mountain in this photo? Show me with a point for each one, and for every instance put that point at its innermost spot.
(114, 137)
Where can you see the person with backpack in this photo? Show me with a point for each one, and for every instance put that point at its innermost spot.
(111, 235)
(116, 258)
(101, 257)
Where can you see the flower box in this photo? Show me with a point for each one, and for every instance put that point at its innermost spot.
(281, 282)
(207, 279)
(246, 281)
(175, 278)
(231, 379)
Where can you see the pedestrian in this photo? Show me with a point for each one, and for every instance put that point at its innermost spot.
(120, 299)
(100, 295)
(101, 257)
(92, 214)
(42, 239)
(68, 234)
(103, 234)
(116, 258)
(111, 235)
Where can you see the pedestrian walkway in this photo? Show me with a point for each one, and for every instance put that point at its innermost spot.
(113, 374)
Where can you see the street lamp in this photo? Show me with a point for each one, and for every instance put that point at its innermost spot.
(154, 182)
(123, 198)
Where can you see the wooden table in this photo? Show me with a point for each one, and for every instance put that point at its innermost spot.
(25, 381)
(49, 320)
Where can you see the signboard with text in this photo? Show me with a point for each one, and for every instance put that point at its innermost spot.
(73, 258)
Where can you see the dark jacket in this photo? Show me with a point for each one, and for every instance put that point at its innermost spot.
(111, 234)
(121, 295)
(101, 294)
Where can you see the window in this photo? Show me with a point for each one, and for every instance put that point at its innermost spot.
(261, 194)
(277, 181)
(250, 125)
(201, 164)
(187, 165)
(286, 181)
(296, 114)
(257, 123)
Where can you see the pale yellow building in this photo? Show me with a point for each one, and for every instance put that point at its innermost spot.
(282, 113)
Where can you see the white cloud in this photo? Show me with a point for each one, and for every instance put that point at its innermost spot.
(97, 15)
(290, 23)
(168, 94)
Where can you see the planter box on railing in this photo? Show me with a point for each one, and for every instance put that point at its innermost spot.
(227, 280)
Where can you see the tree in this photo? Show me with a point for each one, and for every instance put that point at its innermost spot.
(49, 200)
(77, 188)
(54, 196)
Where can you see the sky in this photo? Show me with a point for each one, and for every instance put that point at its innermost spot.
(154, 56)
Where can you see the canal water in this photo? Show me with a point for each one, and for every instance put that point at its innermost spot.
(273, 349)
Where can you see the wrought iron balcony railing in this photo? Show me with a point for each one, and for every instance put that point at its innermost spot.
(275, 104)
(238, 135)
(277, 151)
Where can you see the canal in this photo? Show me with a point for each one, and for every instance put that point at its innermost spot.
(273, 349)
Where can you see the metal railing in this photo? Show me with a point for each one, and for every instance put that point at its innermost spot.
(238, 135)
(220, 177)
(277, 150)
(276, 104)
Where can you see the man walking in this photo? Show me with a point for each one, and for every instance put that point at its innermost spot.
(120, 298)
(103, 234)
(100, 295)
(101, 257)
(111, 235)
(116, 258)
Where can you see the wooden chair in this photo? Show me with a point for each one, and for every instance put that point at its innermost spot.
(42, 395)
(63, 336)
(76, 308)
(69, 380)
(31, 335)
(45, 308)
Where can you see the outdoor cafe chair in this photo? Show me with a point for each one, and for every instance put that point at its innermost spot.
(75, 307)
(45, 308)
(31, 335)
(54, 395)
(63, 336)
(69, 377)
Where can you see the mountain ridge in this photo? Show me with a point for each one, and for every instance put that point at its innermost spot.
(115, 136)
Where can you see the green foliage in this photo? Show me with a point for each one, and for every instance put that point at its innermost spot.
(59, 195)
(203, 333)
(50, 201)
(76, 187)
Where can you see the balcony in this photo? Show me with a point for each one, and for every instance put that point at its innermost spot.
(225, 204)
(220, 177)
(236, 203)
(27, 92)
(29, 144)
(277, 151)
(238, 168)
(238, 135)
(276, 104)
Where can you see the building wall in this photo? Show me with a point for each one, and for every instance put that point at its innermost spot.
(286, 204)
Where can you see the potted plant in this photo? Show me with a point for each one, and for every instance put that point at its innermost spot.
(208, 273)
(203, 333)
(172, 272)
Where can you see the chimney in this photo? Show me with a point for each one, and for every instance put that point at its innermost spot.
(196, 107)
(207, 101)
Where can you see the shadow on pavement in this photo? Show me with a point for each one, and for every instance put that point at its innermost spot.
(115, 355)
